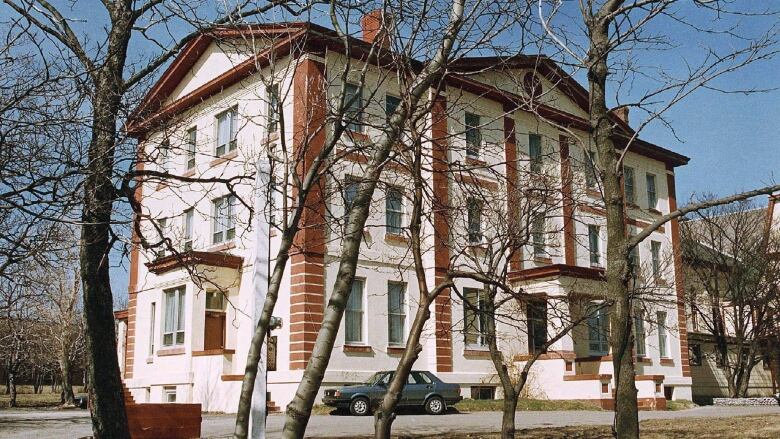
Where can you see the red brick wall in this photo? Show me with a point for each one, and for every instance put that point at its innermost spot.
(679, 277)
(510, 153)
(443, 304)
(307, 289)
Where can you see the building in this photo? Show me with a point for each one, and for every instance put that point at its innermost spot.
(186, 342)
(708, 264)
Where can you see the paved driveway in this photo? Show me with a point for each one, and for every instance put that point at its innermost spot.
(54, 424)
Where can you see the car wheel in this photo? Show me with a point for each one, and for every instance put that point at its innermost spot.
(359, 406)
(435, 405)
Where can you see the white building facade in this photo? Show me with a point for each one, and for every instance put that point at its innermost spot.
(189, 320)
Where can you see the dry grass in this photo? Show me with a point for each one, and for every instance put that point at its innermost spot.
(496, 405)
(738, 427)
(25, 398)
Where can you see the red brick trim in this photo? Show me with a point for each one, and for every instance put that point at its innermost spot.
(209, 352)
(170, 351)
(557, 270)
(481, 182)
(552, 355)
(679, 277)
(476, 353)
(588, 377)
(120, 315)
(667, 362)
(630, 221)
(656, 378)
(223, 159)
(569, 239)
(443, 304)
(213, 259)
(594, 358)
(396, 239)
(357, 349)
(512, 186)
(135, 260)
(232, 377)
(307, 263)
(395, 350)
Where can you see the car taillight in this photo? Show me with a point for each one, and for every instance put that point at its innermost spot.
(337, 393)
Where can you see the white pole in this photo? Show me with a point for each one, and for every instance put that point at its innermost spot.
(260, 285)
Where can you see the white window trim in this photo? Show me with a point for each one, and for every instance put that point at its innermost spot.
(363, 323)
(406, 309)
(178, 292)
(234, 135)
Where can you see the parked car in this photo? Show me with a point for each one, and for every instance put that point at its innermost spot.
(82, 401)
(423, 389)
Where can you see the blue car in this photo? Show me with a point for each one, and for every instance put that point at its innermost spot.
(423, 389)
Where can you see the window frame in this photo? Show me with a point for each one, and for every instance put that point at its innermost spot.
(535, 322)
(473, 134)
(152, 324)
(474, 221)
(594, 245)
(352, 313)
(272, 108)
(591, 176)
(353, 112)
(629, 185)
(539, 236)
(168, 392)
(400, 315)
(694, 360)
(663, 336)
(179, 295)
(478, 315)
(535, 153)
(391, 211)
(652, 192)
(598, 324)
(188, 229)
(192, 148)
(231, 144)
(655, 256)
(398, 102)
(228, 233)
(640, 336)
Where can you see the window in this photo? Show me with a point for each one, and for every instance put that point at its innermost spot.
(394, 210)
(694, 354)
(273, 189)
(189, 216)
(192, 145)
(396, 313)
(474, 213)
(162, 225)
(639, 334)
(152, 318)
(652, 195)
(174, 317)
(483, 392)
(634, 261)
(215, 301)
(224, 227)
(662, 337)
(350, 193)
(593, 245)
(598, 330)
(655, 252)
(353, 317)
(169, 394)
(227, 127)
(628, 185)
(273, 107)
(536, 311)
(591, 179)
(535, 152)
(475, 317)
(165, 155)
(538, 236)
(473, 135)
(391, 105)
(353, 99)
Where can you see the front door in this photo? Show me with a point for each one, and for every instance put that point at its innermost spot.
(214, 336)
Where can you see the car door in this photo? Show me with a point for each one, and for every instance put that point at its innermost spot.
(417, 388)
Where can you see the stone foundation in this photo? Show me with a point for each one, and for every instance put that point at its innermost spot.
(770, 400)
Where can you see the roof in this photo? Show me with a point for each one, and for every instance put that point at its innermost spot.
(314, 38)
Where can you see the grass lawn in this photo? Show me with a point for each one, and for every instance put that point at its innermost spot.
(496, 405)
(27, 399)
(746, 427)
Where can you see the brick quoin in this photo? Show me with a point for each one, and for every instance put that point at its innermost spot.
(441, 233)
(132, 286)
(510, 153)
(679, 276)
(307, 262)
(568, 203)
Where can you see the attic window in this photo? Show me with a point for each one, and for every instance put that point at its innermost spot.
(532, 85)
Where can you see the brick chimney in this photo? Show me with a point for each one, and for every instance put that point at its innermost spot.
(372, 23)
(621, 113)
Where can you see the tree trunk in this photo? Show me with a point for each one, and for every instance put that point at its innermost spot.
(12, 389)
(617, 271)
(68, 399)
(508, 416)
(109, 419)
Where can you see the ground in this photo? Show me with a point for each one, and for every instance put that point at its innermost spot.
(26, 398)
(696, 423)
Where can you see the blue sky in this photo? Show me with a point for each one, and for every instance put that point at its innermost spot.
(732, 139)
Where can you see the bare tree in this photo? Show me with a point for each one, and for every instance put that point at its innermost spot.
(732, 285)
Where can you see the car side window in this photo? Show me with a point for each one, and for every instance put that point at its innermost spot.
(386, 379)
(420, 378)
